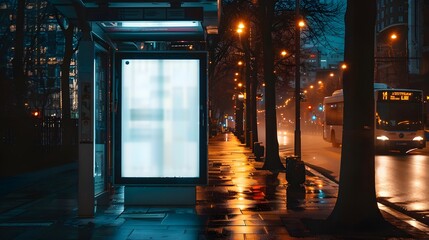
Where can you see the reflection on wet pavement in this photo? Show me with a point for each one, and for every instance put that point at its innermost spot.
(240, 201)
(243, 199)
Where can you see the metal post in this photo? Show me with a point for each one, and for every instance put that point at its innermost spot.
(248, 94)
(297, 83)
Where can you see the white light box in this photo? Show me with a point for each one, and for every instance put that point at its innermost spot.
(163, 132)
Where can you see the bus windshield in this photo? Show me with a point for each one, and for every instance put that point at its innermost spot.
(401, 116)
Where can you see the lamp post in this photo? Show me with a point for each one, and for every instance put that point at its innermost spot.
(239, 114)
(394, 37)
(247, 108)
(299, 24)
(391, 59)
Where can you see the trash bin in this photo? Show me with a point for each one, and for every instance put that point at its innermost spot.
(295, 170)
(258, 150)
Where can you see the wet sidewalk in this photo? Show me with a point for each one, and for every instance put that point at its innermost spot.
(241, 201)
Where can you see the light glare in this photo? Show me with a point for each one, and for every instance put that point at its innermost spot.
(160, 24)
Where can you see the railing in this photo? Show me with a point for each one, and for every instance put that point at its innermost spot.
(46, 133)
(51, 132)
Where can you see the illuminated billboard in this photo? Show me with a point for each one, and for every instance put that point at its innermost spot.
(161, 125)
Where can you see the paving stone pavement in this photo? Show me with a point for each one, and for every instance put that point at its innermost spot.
(240, 201)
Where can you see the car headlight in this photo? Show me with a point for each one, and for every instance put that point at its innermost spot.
(418, 138)
(382, 138)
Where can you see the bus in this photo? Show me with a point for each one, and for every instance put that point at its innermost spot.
(399, 119)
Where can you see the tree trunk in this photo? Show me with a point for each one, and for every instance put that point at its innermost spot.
(356, 207)
(18, 59)
(67, 124)
(272, 158)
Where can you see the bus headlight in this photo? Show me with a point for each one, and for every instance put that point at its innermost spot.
(382, 138)
(418, 138)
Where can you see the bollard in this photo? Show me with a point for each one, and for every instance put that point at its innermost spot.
(258, 150)
(295, 170)
(255, 147)
(251, 138)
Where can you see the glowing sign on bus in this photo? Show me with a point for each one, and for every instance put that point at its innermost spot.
(398, 96)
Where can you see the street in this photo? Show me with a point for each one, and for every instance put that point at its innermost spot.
(401, 180)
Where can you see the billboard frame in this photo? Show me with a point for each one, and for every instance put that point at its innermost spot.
(202, 178)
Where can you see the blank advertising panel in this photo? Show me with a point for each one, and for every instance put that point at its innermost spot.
(162, 132)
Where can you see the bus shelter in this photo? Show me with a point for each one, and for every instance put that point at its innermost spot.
(142, 72)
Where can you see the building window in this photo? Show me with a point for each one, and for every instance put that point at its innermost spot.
(52, 27)
(400, 19)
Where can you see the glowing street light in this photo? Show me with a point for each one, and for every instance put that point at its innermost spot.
(297, 134)
(240, 27)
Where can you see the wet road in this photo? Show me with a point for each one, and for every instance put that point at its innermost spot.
(402, 181)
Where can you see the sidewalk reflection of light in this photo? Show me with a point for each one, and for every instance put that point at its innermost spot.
(226, 137)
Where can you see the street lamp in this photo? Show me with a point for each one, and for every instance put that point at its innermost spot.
(299, 25)
(240, 27)
(391, 58)
(245, 45)
(394, 37)
(339, 73)
(295, 167)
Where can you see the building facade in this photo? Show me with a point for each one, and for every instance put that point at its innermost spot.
(43, 54)
(402, 43)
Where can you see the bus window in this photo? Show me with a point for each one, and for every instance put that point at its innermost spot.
(334, 113)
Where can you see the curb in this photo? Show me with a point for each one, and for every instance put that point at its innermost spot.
(406, 219)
